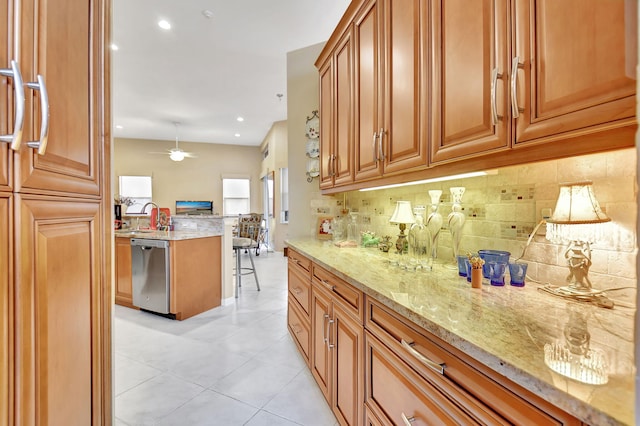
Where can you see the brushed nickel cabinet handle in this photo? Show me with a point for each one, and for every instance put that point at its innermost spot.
(329, 286)
(380, 141)
(15, 139)
(407, 420)
(374, 148)
(495, 75)
(41, 145)
(515, 65)
(329, 344)
(437, 367)
(324, 328)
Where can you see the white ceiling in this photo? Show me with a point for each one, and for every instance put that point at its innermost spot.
(204, 73)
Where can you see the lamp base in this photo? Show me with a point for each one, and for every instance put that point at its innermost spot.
(579, 294)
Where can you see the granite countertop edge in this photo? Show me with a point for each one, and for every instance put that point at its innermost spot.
(540, 387)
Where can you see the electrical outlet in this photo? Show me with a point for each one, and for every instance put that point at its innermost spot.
(545, 213)
(365, 203)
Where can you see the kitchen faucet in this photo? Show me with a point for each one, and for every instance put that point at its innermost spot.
(157, 216)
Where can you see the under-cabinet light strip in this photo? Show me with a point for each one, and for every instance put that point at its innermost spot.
(432, 180)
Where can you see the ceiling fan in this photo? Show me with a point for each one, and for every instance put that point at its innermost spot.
(177, 153)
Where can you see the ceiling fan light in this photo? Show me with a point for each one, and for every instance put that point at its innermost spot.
(177, 155)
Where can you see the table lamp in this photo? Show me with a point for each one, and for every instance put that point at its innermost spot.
(577, 221)
(402, 215)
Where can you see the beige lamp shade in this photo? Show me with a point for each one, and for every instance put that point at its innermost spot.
(403, 213)
(577, 205)
(577, 214)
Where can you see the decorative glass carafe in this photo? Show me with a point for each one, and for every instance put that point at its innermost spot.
(340, 226)
(434, 223)
(418, 241)
(456, 219)
(353, 228)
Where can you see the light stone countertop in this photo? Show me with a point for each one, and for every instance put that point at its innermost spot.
(505, 328)
(166, 235)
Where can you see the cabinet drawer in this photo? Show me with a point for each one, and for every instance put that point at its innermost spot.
(299, 328)
(300, 288)
(396, 394)
(343, 292)
(504, 397)
(296, 260)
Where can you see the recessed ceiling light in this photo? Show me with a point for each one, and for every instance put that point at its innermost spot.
(114, 46)
(240, 119)
(207, 13)
(165, 25)
(237, 135)
(119, 127)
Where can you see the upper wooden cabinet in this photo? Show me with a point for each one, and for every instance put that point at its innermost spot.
(59, 40)
(448, 86)
(391, 65)
(471, 60)
(565, 70)
(578, 71)
(336, 115)
(6, 96)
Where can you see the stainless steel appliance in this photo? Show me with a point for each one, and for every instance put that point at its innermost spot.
(150, 274)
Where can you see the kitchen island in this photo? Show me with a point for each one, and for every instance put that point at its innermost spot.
(195, 269)
(501, 330)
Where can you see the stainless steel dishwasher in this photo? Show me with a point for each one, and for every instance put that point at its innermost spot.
(150, 274)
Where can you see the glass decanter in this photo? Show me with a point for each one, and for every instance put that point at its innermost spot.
(434, 223)
(418, 241)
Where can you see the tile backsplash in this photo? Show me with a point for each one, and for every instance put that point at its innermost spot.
(503, 208)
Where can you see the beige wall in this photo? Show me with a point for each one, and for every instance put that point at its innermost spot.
(302, 92)
(193, 178)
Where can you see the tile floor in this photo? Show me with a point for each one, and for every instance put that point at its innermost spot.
(232, 365)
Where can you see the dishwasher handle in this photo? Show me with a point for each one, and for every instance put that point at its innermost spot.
(146, 248)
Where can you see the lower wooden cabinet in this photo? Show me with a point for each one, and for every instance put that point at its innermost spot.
(124, 290)
(337, 344)
(6, 307)
(431, 366)
(298, 325)
(392, 372)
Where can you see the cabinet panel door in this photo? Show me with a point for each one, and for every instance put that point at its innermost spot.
(347, 338)
(58, 254)
(405, 79)
(471, 41)
(368, 92)
(326, 124)
(579, 72)
(343, 95)
(320, 358)
(59, 40)
(124, 286)
(6, 92)
(6, 310)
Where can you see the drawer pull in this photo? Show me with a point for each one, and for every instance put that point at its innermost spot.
(437, 367)
(15, 139)
(327, 285)
(407, 420)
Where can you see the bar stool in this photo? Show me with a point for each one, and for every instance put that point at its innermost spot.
(244, 241)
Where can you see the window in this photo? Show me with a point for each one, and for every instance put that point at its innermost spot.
(236, 196)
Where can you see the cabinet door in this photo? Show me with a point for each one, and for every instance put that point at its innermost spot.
(468, 117)
(343, 96)
(60, 40)
(326, 125)
(320, 323)
(58, 312)
(6, 310)
(405, 84)
(579, 67)
(124, 289)
(368, 92)
(6, 92)
(346, 336)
